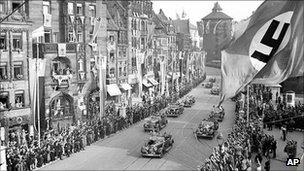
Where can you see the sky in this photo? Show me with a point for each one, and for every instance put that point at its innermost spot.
(196, 10)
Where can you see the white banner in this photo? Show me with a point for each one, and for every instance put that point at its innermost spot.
(61, 49)
(82, 19)
(47, 20)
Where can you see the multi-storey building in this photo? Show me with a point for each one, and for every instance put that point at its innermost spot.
(140, 51)
(118, 11)
(216, 30)
(70, 38)
(15, 111)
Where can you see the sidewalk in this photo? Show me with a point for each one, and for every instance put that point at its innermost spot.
(279, 163)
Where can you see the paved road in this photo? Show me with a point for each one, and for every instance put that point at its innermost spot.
(122, 151)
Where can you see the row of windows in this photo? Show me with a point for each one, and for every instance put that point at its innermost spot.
(137, 25)
(80, 10)
(16, 41)
(17, 71)
(5, 102)
(14, 5)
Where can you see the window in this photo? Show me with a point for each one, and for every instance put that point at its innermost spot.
(79, 9)
(3, 41)
(79, 36)
(47, 36)
(92, 10)
(15, 5)
(46, 7)
(112, 57)
(18, 74)
(112, 72)
(71, 36)
(4, 100)
(17, 41)
(120, 71)
(3, 71)
(133, 62)
(111, 38)
(1, 7)
(289, 98)
(19, 99)
(70, 8)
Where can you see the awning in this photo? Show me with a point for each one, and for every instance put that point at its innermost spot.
(126, 86)
(113, 90)
(153, 81)
(146, 83)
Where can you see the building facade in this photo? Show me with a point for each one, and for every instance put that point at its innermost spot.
(70, 52)
(15, 102)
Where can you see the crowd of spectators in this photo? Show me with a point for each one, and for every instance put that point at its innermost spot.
(24, 152)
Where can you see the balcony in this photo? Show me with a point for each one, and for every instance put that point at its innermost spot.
(49, 48)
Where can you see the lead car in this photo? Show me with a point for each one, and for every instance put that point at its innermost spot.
(157, 145)
(206, 129)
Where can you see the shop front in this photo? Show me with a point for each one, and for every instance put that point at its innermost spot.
(15, 128)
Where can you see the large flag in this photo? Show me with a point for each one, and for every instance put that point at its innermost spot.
(266, 48)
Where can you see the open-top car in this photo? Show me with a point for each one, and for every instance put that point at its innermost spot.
(212, 80)
(208, 85)
(157, 145)
(188, 101)
(215, 90)
(206, 129)
(218, 114)
(155, 123)
(175, 110)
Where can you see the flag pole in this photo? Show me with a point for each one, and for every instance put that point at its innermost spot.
(38, 100)
(101, 86)
(248, 104)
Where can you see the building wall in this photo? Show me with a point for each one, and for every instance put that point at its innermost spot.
(14, 114)
(213, 38)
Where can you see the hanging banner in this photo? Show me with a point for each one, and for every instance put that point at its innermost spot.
(47, 20)
(82, 19)
(72, 18)
(61, 49)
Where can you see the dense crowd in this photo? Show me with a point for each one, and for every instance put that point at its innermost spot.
(25, 152)
(235, 152)
(276, 112)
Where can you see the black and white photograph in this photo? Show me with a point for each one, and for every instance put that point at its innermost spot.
(150, 85)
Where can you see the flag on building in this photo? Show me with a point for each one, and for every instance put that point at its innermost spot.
(268, 47)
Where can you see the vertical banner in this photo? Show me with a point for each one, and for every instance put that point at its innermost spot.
(163, 80)
(61, 49)
(139, 74)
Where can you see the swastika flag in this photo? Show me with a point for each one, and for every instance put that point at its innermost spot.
(267, 48)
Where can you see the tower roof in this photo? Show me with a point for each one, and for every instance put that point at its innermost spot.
(217, 13)
(216, 7)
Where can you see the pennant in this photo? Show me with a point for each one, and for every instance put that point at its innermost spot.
(267, 49)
